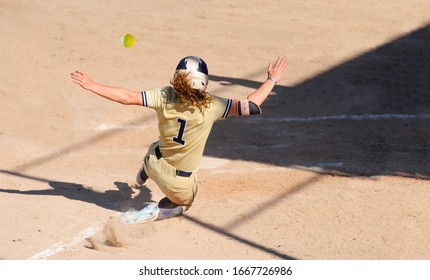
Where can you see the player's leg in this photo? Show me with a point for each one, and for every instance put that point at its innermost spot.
(141, 176)
(179, 190)
(168, 209)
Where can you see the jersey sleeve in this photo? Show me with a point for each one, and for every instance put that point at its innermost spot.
(153, 98)
(220, 107)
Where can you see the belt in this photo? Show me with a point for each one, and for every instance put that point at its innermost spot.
(178, 172)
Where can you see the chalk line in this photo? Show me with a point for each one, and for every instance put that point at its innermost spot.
(109, 126)
(61, 246)
(347, 118)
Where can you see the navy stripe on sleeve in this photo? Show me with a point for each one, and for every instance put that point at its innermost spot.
(227, 109)
(144, 101)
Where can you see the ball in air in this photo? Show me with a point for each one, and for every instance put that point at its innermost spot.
(127, 40)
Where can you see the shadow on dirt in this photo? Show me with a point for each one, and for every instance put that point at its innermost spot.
(119, 200)
(368, 116)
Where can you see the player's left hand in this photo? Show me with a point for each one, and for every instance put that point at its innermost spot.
(277, 71)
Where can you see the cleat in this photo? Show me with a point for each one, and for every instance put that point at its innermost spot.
(147, 214)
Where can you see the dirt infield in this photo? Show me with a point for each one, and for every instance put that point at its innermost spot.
(337, 167)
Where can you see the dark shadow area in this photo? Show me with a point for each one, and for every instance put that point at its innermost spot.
(118, 200)
(368, 116)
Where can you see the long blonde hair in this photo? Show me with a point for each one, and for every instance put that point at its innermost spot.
(196, 97)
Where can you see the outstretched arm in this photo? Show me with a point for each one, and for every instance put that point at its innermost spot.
(274, 74)
(117, 94)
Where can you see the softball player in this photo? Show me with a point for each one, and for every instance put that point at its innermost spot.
(186, 114)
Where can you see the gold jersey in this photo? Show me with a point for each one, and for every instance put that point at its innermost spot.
(183, 129)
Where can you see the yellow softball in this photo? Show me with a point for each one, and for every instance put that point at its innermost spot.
(127, 40)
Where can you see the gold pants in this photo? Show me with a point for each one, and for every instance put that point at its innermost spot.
(178, 189)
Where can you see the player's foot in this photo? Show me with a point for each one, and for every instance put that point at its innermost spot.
(167, 213)
(147, 214)
(141, 177)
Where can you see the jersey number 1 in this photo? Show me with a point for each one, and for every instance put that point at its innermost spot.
(180, 137)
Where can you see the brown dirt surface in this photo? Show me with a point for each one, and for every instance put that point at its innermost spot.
(336, 167)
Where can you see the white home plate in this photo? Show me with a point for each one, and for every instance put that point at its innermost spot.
(210, 162)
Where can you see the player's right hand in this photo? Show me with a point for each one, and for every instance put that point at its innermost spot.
(81, 78)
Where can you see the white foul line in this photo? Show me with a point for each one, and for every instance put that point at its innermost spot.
(349, 118)
(108, 126)
(58, 247)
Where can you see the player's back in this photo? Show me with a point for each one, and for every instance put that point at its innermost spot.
(183, 128)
